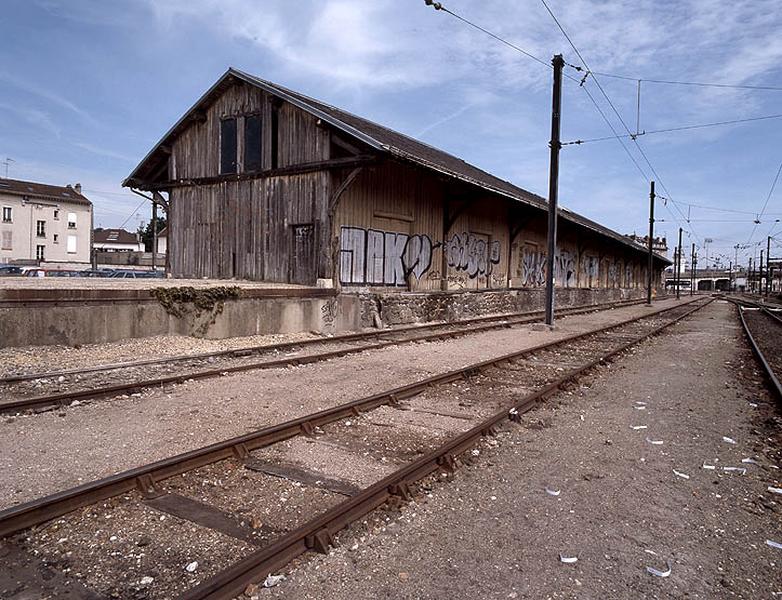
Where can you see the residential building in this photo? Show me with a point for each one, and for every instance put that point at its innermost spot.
(117, 240)
(44, 224)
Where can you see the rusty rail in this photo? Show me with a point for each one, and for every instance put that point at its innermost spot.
(502, 319)
(143, 478)
(65, 398)
(775, 384)
(317, 534)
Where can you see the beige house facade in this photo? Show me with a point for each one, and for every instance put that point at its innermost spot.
(44, 224)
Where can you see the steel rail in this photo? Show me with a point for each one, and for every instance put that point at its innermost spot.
(65, 398)
(501, 320)
(143, 478)
(317, 533)
(775, 384)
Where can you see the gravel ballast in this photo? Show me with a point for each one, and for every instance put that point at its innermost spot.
(624, 503)
(48, 452)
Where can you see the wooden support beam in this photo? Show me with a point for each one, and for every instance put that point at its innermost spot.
(337, 194)
(323, 165)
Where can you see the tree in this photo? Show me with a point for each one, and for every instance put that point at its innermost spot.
(145, 232)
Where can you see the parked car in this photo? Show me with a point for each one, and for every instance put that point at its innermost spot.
(124, 275)
(34, 272)
(61, 273)
(96, 273)
(11, 271)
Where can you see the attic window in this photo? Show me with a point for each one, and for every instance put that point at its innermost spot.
(228, 146)
(252, 143)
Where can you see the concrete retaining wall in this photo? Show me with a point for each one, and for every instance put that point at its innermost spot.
(89, 316)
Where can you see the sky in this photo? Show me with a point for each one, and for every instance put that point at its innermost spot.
(87, 87)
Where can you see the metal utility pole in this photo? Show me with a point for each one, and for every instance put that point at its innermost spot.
(760, 274)
(651, 243)
(553, 184)
(692, 269)
(750, 276)
(154, 235)
(730, 276)
(768, 259)
(679, 264)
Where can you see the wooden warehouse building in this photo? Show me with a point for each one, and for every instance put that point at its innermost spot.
(266, 184)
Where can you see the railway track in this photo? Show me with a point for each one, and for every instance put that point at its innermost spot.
(53, 389)
(762, 325)
(273, 494)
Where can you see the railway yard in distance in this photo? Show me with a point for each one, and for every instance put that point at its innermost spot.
(630, 451)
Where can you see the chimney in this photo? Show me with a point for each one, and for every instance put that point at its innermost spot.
(77, 187)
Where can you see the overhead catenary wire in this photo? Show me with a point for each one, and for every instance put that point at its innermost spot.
(768, 88)
(674, 129)
(765, 204)
(616, 112)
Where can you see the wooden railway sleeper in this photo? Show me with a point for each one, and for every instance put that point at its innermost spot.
(241, 452)
(447, 462)
(401, 490)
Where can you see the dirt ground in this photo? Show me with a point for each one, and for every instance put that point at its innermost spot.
(629, 498)
(44, 453)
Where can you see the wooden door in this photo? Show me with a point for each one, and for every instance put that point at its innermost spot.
(303, 266)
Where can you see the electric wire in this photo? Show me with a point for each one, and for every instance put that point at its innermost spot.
(765, 204)
(616, 112)
(674, 129)
(769, 88)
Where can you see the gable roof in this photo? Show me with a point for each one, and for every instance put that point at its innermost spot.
(42, 191)
(380, 138)
(114, 236)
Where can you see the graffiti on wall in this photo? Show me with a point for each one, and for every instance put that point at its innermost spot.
(565, 269)
(533, 268)
(472, 253)
(613, 274)
(629, 279)
(382, 257)
(589, 271)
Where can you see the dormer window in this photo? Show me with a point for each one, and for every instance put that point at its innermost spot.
(228, 146)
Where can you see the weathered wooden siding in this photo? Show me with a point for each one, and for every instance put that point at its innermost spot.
(397, 200)
(248, 229)
(196, 152)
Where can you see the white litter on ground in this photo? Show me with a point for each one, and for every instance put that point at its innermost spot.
(551, 492)
(775, 490)
(567, 559)
(655, 442)
(637, 427)
(708, 467)
(273, 580)
(656, 573)
(742, 470)
(728, 440)
(680, 474)
(774, 544)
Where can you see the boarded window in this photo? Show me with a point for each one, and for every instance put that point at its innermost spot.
(275, 136)
(71, 244)
(8, 240)
(252, 143)
(228, 146)
(71, 220)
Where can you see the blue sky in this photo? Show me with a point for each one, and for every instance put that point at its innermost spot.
(88, 86)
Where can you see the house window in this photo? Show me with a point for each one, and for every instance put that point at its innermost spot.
(7, 240)
(71, 244)
(7, 214)
(71, 220)
(228, 146)
(56, 215)
(40, 228)
(252, 143)
(39, 252)
(56, 238)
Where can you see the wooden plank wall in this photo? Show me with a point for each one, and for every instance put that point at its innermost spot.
(244, 229)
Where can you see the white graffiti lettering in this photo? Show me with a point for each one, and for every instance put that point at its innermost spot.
(473, 254)
(382, 257)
